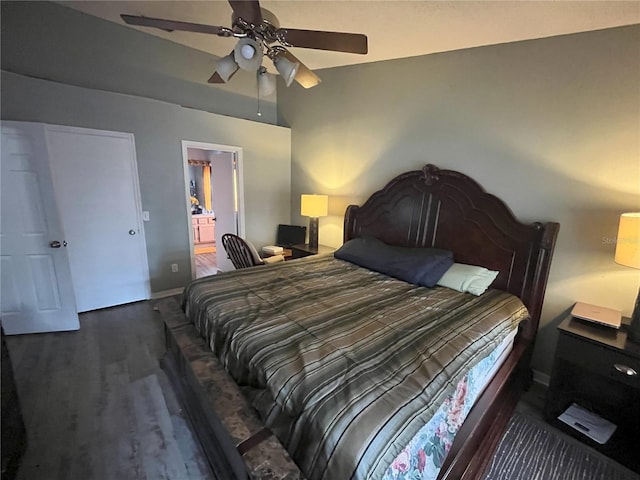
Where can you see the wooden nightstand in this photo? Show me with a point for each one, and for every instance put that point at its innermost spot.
(599, 369)
(304, 250)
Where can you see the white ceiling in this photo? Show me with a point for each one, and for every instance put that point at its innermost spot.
(395, 28)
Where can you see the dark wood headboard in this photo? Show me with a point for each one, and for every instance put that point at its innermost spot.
(447, 209)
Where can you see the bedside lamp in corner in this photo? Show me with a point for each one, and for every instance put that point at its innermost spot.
(628, 254)
(314, 206)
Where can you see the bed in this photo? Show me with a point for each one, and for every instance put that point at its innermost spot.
(344, 381)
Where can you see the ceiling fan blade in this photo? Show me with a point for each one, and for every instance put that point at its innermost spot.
(171, 25)
(334, 41)
(248, 10)
(304, 76)
(215, 78)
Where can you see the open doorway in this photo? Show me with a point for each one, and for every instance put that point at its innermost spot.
(214, 195)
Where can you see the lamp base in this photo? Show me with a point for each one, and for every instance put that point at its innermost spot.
(313, 232)
(633, 331)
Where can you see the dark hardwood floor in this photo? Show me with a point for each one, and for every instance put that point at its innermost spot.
(96, 404)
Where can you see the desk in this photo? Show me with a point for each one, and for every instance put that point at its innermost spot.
(304, 250)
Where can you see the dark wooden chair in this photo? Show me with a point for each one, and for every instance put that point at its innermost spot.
(243, 254)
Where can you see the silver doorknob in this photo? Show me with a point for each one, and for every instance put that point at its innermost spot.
(55, 244)
(132, 232)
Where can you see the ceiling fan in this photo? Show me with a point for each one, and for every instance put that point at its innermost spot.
(259, 34)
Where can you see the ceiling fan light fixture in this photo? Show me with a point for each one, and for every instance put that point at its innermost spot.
(226, 67)
(258, 34)
(286, 68)
(266, 82)
(248, 54)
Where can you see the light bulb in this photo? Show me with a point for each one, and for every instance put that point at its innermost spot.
(248, 51)
(248, 54)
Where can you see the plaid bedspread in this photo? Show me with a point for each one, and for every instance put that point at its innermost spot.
(344, 364)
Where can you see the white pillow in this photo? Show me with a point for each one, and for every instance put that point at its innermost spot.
(468, 278)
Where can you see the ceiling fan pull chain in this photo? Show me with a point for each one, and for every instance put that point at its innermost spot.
(258, 113)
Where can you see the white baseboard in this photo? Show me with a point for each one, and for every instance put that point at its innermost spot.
(541, 378)
(166, 293)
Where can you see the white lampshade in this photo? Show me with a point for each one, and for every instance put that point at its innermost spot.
(286, 68)
(314, 205)
(248, 54)
(266, 82)
(628, 240)
(226, 67)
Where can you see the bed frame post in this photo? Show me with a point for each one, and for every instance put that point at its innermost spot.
(543, 265)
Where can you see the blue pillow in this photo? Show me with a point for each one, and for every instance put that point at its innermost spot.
(422, 266)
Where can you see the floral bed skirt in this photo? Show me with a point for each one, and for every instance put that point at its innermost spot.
(423, 457)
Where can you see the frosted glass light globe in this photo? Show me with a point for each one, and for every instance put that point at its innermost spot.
(248, 51)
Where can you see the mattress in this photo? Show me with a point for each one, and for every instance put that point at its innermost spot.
(346, 365)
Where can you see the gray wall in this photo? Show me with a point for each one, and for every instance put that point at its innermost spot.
(85, 58)
(159, 128)
(551, 126)
(48, 40)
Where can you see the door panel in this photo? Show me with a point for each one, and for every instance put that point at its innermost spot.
(223, 188)
(96, 186)
(37, 292)
(10, 290)
(43, 277)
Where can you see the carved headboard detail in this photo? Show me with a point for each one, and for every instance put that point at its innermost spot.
(447, 209)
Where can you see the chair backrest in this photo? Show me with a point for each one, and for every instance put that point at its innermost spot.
(240, 252)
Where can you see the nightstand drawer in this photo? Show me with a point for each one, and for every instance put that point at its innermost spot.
(600, 360)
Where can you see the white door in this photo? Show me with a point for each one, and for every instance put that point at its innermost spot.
(224, 188)
(36, 289)
(96, 185)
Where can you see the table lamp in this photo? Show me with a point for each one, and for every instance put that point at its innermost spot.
(314, 206)
(628, 254)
